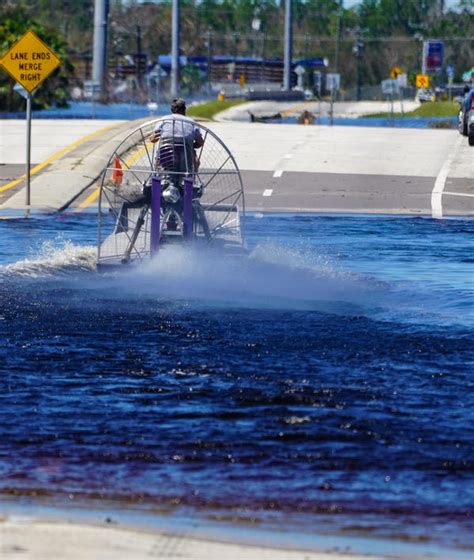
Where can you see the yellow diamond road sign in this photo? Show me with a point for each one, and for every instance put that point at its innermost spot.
(30, 61)
(422, 81)
(396, 70)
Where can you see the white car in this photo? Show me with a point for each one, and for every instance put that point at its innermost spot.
(466, 117)
(470, 127)
(423, 95)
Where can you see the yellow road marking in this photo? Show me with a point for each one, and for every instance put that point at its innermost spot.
(88, 201)
(133, 158)
(54, 157)
(95, 194)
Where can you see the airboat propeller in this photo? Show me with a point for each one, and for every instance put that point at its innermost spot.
(155, 194)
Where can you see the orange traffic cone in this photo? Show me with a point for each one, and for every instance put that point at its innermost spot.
(117, 174)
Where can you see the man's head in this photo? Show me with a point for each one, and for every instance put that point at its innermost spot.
(178, 105)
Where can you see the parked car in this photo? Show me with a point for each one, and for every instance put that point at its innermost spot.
(466, 114)
(423, 95)
(470, 124)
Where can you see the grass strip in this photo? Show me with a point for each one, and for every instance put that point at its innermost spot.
(428, 109)
(211, 108)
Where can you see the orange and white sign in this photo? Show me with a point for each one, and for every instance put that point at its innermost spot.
(30, 61)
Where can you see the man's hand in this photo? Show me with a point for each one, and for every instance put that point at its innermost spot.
(155, 136)
(198, 141)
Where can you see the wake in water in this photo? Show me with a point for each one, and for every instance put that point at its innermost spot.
(53, 260)
(271, 276)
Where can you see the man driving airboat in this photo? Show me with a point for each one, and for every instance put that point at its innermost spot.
(178, 138)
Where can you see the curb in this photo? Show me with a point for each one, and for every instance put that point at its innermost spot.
(65, 178)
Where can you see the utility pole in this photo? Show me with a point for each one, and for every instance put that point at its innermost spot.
(338, 34)
(336, 58)
(288, 47)
(175, 49)
(424, 53)
(209, 62)
(358, 50)
(99, 61)
(235, 37)
(440, 8)
(138, 60)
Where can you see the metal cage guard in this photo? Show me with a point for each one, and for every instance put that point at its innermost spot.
(155, 215)
(161, 193)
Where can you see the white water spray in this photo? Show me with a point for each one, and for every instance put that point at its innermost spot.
(54, 260)
(271, 276)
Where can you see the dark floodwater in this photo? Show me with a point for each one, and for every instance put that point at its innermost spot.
(327, 379)
(397, 122)
(87, 110)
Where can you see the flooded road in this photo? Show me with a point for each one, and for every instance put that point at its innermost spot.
(323, 381)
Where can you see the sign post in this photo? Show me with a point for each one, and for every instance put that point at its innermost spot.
(28, 150)
(318, 83)
(300, 71)
(333, 82)
(450, 74)
(390, 87)
(402, 80)
(92, 90)
(29, 62)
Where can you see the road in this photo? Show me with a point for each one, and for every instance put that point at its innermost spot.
(351, 169)
(284, 167)
(344, 109)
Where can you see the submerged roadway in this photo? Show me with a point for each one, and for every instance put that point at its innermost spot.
(285, 167)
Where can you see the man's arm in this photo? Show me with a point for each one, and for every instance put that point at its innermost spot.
(155, 135)
(198, 139)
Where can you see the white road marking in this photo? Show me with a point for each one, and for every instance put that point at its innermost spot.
(278, 173)
(267, 192)
(437, 193)
(458, 194)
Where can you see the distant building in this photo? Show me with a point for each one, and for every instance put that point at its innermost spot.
(233, 68)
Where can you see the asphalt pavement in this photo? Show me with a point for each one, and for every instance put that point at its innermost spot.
(300, 168)
(352, 169)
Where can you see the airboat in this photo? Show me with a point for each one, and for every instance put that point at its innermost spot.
(155, 194)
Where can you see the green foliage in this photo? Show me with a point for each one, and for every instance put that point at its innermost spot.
(317, 16)
(436, 109)
(15, 22)
(210, 109)
(429, 109)
(191, 79)
(384, 17)
(391, 32)
(235, 16)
